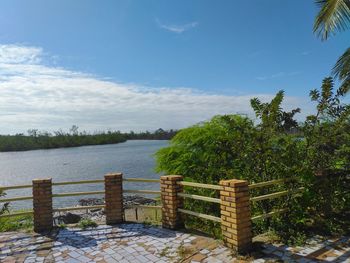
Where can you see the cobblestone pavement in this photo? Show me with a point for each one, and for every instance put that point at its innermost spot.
(140, 243)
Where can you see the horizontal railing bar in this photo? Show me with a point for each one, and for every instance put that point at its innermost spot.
(269, 196)
(268, 183)
(275, 195)
(78, 193)
(79, 182)
(145, 206)
(141, 180)
(3, 188)
(199, 185)
(21, 198)
(16, 214)
(267, 215)
(200, 197)
(141, 191)
(78, 208)
(204, 216)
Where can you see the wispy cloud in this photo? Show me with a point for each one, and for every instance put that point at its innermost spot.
(35, 95)
(15, 54)
(278, 75)
(176, 28)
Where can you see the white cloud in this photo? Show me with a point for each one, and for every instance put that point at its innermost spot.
(33, 95)
(14, 54)
(178, 29)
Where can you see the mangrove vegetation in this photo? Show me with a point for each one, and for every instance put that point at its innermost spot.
(36, 139)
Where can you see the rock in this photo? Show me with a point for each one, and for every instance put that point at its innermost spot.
(129, 200)
(70, 218)
(91, 201)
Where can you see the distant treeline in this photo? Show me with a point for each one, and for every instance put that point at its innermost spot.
(159, 134)
(36, 139)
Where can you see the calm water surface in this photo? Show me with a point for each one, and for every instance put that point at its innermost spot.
(133, 158)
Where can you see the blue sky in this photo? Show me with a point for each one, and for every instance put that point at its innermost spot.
(193, 52)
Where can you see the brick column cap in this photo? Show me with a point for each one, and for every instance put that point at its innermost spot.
(233, 182)
(46, 180)
(112, 175)
(171, 177)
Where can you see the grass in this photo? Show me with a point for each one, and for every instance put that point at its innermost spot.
(62, 226)
(15, 223)
(86, 223)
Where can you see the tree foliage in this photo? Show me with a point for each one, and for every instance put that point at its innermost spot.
(274, 147)
(333, 17)
(272, 116)
(232, 146)
(328, 150)
(341, 70)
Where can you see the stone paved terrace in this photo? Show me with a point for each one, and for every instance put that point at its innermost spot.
(140, 243)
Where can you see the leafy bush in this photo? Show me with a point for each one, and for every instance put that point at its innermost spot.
(327, 135)
(233, 146)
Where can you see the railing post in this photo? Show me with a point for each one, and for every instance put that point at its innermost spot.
(114, 198)
(171, 218)
(235, 215)
(42, 205)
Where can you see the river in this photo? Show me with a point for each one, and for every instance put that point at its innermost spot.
(133, 158)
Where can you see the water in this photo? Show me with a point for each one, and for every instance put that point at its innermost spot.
(133, 158)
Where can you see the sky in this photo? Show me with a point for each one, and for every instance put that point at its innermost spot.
(143, 65)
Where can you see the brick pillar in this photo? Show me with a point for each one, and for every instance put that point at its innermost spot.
(171, 201)
(42, 205)
(235, 215)
(114, 198)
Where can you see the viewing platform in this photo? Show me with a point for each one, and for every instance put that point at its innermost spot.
(139, 243)
(119, 240)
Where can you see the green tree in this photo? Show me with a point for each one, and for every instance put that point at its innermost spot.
(328, 153)
(272, 116)
(317, 157)
(232, 146)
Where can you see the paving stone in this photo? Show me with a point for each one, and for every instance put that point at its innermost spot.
(139, 244)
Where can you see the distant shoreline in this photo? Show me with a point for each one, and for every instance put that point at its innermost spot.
(65, 147)
(45, 141)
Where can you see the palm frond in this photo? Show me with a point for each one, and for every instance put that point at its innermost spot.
(334, 16)
(341, 69)
(257, 106)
